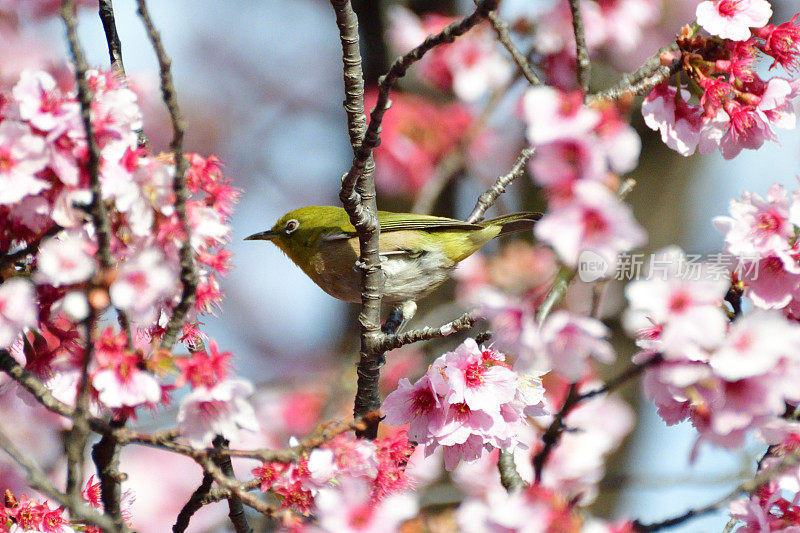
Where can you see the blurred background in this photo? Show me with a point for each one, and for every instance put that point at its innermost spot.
(260, 86)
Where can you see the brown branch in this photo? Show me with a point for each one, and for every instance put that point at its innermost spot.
(358, 187)
(509, 477)
(553, 433)
(105, 455)
(615, 382)
(394, 341)
(581, 50)
(189, 279)
(747, 487)
(238, 489)
(501, 29)
(106, 12)
(38, 480)
(488, 198)
(235, 508)
(195, 502)
(30, 248)
(642, 80)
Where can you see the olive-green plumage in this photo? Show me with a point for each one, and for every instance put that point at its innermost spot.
(418, 252)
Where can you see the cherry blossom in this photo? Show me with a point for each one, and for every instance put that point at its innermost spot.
(732, 19)
(144, 282)
(219, 410)
(569, 340)
(18, 309)
(22, 156)
(596, 220)
(552, 114)
(65, 260)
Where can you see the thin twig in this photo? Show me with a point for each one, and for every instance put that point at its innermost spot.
(189, 279)
(642, 80)
(489, 197)
(553, 433)
(77, 437)
(581, 50)
(30, 248)
(615, 382)
(501, 29)
(556, 294)
(39, 481)
(509, 477)
(392, 342)
(106, 11)
(747, 487)
(237, 488)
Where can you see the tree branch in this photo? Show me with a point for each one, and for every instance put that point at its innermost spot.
(553, 433)
(509, 477)
(488, 198)
(189, 279)
(235, 508)
(642, 80)
(394, 341)
(748, 487)
(105, 455)
(501, 29)
(37, 480)
(106, 11)
(194, 504)
(581, 50)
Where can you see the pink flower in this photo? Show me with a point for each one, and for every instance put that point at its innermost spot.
(219, 410)
(771, 281)
(22, 155)
(782, 43)
(350, 508)
(477, 378)
(65, 260)
(755, 344)
(684, 305)
(552, 114)
(570, 340)
(42, 104)
(18, 309)
(558, 165)
(145, 281)
(417, 404)
(596, 220)
(758, 226)
(732, 19)
(679, 124)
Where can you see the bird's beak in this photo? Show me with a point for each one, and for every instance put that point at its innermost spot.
(263, 236)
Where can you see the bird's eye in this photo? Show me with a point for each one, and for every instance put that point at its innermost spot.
(291, 226)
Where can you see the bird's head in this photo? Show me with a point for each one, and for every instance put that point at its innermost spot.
(298, 232)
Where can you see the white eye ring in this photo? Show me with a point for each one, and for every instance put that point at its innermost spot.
(291, 226)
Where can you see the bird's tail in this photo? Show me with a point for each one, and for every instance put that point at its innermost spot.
(514, 222)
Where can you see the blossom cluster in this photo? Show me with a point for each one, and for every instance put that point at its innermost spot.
(579, 152)
(59, 279)
(727, 377)
(469, 401)
(351, 483)
(721, 103)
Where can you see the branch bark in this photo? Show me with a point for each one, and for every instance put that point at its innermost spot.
(581, 50)
(488, 198)
(189, 279)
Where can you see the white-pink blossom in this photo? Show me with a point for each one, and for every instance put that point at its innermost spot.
(144, 282)
(732, 19)
(22, 155)
(220, 410)
(416, 404)
(758, 226)
(682, 302)
(569, 340)
(18, 309)
(552, 114)
(755, 344)
(680, 125)
(129, 388)
(596, 221)
(350, 508)
(41, 103)
(65, 260)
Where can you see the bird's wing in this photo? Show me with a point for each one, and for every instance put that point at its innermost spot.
(406, 221)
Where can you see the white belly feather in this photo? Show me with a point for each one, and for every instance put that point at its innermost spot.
(411, 278)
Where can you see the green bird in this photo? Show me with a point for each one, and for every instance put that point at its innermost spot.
(418, 252)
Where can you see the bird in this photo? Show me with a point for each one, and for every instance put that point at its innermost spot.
(417, 252)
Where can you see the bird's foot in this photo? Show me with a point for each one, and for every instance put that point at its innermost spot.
(398, 317)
